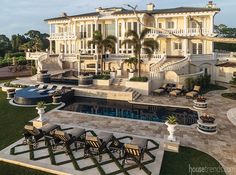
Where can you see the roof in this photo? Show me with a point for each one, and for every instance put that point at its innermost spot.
(227, 64)
(155, 11)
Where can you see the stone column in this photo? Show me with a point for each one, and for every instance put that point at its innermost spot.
(50, 47)
(117, 35)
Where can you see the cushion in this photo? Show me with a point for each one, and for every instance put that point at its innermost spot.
(62, 135)
(76, 132)
(179, 86)
(48, 127)
(31, 129)
(191, 94)
(159, 91)
(175, 92)
(131, 146)
(197, 88)
(142, 143)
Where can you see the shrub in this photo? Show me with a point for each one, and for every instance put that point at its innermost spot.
(139, 79)
(172, 120)
(33, 70)
(40, 104)
(102, 77)
(233, 81)
(9, 84)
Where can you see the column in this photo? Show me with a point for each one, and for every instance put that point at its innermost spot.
(117, 35)
(65, 46)
(69, 48)
(185, 46)
(185, 24)
(50, 47)
(211, 24)
(96, 49)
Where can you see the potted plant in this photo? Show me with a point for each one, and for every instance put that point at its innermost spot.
(57, 97)
(201, 99)
(171, 123)
(207, 118)
(41, 110)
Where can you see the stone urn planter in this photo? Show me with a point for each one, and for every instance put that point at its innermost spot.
(171, 125)
(10, 93)
(207, 125)
(41, 110)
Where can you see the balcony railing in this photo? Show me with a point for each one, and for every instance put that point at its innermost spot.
(63, 36)
(183, 32)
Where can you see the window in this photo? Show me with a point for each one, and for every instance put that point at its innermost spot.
(170, 25)
(136, 27)
(120, 29)
(178, 46)
(109, 29)
(100, 27)
(89, 31)
(197, 48)
(129, 26)
(160, 25)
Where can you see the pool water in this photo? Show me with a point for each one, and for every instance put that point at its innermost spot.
(123, 109)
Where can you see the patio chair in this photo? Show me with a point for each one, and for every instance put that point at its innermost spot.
(194, 93)
(135, 151)
(66, 139)
(160, 90)
(33, 135)
(177, 91)
(97, 145)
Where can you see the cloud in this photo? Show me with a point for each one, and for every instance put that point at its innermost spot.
(19, 16)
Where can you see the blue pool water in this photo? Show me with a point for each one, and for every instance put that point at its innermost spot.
(122, 109)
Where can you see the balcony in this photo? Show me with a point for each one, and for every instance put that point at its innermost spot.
(182, 32)
(63, 36)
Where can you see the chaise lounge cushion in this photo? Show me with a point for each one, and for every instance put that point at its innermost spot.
(76, 132)
(32, 130)
(48, 127)
(177, 91)
(141, 143)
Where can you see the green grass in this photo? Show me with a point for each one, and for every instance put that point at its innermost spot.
(231, 96)
(12, 122)
(180, 163)
(212, 87)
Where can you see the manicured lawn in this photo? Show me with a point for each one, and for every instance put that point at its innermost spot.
(188, 158)
(12, 122)
(213, 87)
(231, 96)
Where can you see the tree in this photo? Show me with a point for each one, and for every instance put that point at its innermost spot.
(225, 32)
(103, 44)
(5, 45)
(37, 41)
(17, 41)
(140, 42)
(132, 61)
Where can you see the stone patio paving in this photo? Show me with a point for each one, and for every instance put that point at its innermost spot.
(221, 146)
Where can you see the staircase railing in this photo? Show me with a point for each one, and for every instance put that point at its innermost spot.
(155, 68)
(175, 65)
(40, 60)
(59, 61)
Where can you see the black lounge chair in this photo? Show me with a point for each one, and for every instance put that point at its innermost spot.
(135, 151)
(160, 90)
(97, 145)
(33, 135)
(65, 139)
(177, 91)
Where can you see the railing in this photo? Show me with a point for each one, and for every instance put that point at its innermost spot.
(154, 57)
(34, 55)
(202, 57)
(182, 32)
(40, 60)
(177, 65)
(69, 57)
(155, 68)
(63, 36)
(119, 56)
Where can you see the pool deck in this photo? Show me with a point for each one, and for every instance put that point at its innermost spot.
(221, 146)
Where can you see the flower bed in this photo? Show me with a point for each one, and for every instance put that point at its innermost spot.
(139, 79)
(102, 77)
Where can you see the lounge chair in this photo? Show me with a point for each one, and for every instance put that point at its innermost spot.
(177, 91)
(96, 145)
(135, 151)
(194, 93)
(65, 139)
(160, 90)
(33, 135)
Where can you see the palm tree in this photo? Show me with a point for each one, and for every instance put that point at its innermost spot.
(103, 44)
(132, 61)
(140, 42)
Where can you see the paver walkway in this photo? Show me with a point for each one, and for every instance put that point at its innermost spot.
(221, 146)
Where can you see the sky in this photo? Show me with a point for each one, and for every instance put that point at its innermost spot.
(20, 16)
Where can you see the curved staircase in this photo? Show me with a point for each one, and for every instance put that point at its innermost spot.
(50, 62)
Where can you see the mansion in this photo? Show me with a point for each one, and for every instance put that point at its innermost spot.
(180, 53)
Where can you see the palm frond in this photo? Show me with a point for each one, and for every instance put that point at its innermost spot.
(133, 34)
(151, 43)
(128, 41)
(148, 51)
(144, 33)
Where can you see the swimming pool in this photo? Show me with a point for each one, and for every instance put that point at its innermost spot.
(123, 109)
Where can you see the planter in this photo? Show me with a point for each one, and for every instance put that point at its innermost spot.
(131, 75)
(41, 111)
(56, 99)
(44, 78)
(5, 88)
(99, 82)
(10, 93)
(171, 130)
(199, 105)
(85, 80)
(207, 128)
